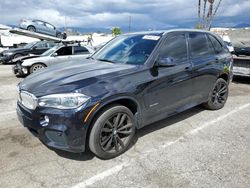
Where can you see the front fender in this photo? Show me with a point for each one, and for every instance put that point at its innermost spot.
(112, 100)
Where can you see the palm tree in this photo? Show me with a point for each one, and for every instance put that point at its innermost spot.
(209, 14)
(204, 10)
(199, 10)
(212, 16)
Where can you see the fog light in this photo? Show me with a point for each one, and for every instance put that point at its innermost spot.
(44, 121)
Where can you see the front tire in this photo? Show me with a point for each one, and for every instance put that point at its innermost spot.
(218, 96)
(36, 67)
(31, 29)
(112, 132)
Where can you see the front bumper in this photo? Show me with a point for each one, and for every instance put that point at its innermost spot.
(5, 59)
(66, 129)
(19, 70)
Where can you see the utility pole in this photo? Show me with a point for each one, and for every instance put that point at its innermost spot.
(65, 24)
(129, 24)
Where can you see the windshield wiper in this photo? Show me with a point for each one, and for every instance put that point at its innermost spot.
(105, 60)
(90, 58)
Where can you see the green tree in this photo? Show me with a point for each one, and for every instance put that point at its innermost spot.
(116, 31)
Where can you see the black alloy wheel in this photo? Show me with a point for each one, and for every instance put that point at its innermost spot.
(115, 133)
(218, 96)
(112, 132)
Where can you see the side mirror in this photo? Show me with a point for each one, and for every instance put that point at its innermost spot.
(55, 54)
(166, 62)
(34, 47)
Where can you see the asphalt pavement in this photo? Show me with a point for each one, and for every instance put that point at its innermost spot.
(197, 148)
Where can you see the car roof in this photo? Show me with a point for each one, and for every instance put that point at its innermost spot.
(41, 21)
(163, 32)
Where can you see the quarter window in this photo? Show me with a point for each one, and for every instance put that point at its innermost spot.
(200, 45)
(175, 47)
(80, 50)
(217, 45)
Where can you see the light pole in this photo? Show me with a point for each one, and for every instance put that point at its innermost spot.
(129, 24)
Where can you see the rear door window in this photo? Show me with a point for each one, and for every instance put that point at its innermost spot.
(49, 26)
(67, 50)
(80, 50)
(175, 48)
(200, 46)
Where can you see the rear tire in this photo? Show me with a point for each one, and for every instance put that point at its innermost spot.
(36, 67)
(31, 29)
(112, 132)
(218, 96)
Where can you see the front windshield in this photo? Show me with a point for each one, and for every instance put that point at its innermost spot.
(50, 51)
(128, 49)
(30, 45)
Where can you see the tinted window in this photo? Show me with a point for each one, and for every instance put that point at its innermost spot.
(40, 45)
(50, 44)
(200, 45)
(49, 26)
(67, 50)
(217, 45)
(80, 50)
(39, 22)
(175, 48)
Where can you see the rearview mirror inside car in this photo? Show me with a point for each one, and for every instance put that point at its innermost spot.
(166, 62)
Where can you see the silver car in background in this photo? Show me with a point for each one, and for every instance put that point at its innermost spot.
(43, 27)
(58, 54)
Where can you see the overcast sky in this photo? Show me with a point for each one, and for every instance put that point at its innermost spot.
(108, 13)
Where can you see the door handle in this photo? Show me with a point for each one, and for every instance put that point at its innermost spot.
(189, 68)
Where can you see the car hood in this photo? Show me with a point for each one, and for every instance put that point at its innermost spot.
(30, 61)
(71, 76)
(24, 57)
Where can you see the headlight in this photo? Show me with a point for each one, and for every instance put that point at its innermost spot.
(63, 101)
(7, 53)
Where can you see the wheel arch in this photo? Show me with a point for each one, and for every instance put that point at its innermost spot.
(31, 26)
(129, 102)
(30, 66)
(224, 76)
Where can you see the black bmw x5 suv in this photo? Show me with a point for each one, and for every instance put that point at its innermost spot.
(134, 80)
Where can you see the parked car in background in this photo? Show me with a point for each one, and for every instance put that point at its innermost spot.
(37, 48)
(134, 80)
(241, 66)
(242, 51)
(58, 54)
(43, 27)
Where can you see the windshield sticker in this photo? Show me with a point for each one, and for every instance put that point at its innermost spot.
(151, 37)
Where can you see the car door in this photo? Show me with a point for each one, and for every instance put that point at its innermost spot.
(62, 55)
(50, 29)
(204, 61)
(171, 90)
(40, 26)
